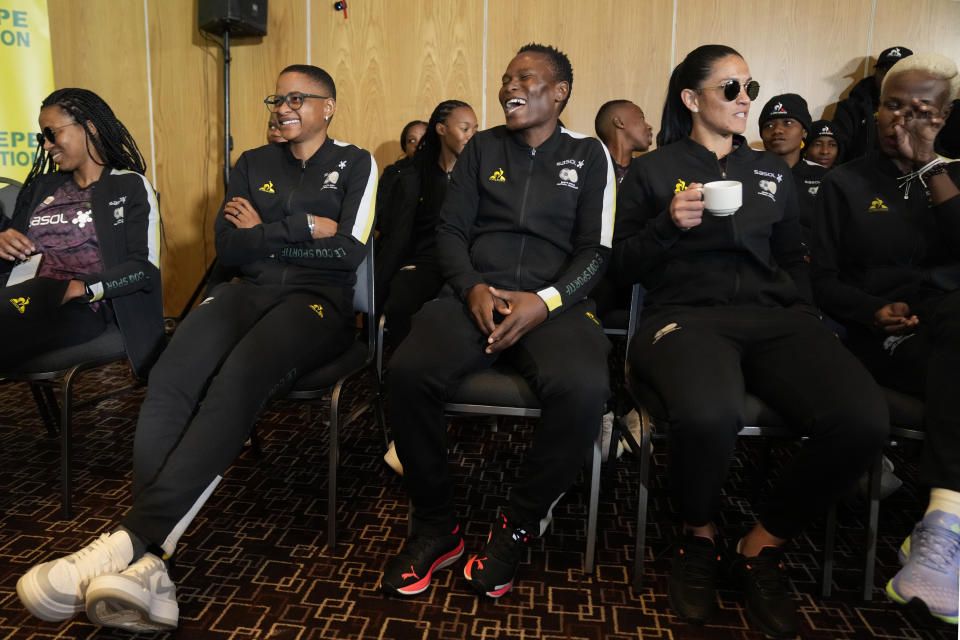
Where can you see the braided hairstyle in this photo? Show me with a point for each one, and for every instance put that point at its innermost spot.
(428, 151)
(113, 142)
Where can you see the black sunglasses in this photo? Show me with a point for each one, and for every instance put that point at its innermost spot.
(294, 100)
(731, 89)
(50, 133)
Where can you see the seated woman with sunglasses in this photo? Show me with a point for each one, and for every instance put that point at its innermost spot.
(886, 262)
(727, 309)
(295, 220)
(87, 225)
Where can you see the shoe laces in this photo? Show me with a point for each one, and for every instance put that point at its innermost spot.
(419, 545)
(506, 541)
(89, 560)
(768, 573)
(699, 562)
(936, 547)
(142, 568)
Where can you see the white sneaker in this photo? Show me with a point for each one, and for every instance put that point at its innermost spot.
(141, 598)
(55, 590)
(390, 457)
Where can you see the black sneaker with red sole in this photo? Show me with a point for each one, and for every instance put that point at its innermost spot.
(409, 572)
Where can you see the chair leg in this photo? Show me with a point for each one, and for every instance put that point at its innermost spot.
(66, 437)
(873, 517)
(334, 463)
(45, 407)
(640, 546)
(831, 529)
(588, 564)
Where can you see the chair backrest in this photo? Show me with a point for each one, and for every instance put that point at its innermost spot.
(363, 292)
(9, 190)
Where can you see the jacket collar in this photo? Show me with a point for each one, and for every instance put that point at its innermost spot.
(315, 158)
(740, 148)
(546, 145)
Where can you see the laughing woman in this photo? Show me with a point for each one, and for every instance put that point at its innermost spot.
(727, 309)
(295, 221)
(89, 219)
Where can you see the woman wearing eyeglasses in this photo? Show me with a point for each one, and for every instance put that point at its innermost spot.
(87, 224)
(727, 310)
(295, 221)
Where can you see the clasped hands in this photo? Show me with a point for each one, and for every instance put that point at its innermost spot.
(521, 311)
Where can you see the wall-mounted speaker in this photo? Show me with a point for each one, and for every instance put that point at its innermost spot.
(239, 17)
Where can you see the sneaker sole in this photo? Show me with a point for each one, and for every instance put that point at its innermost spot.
(38, 604)
(424, 583)
(481, 589)
(916, 603)
(110, 605)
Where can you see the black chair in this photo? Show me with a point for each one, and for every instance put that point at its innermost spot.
(59, 368)
(9, 190)
(328, 380)
(759, 420)
(501, 391)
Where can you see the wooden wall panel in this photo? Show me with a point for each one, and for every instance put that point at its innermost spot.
(394, 62)
(617, 49)
(256, 64)
(920, 25)
(811, 47)
(188, 126)
(109, 60)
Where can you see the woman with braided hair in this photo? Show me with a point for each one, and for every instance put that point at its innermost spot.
(406, 261)
(86, 228)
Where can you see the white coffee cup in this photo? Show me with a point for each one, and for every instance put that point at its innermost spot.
(722, 197)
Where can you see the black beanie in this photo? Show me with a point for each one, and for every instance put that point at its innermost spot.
(821, 128)
(786, 105)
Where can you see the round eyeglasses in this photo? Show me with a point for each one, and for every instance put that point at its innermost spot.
(294, 100)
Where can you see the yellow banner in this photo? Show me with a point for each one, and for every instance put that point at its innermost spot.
(26, 78)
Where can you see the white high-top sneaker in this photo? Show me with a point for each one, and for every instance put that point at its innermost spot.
(141, 598)
(55, 590)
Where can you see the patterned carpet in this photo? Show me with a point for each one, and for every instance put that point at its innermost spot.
(253, 565)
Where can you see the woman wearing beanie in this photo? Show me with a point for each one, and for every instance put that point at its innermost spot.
(784, 122)
(822, 146)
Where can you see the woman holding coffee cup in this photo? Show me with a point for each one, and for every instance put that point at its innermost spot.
(727, 309)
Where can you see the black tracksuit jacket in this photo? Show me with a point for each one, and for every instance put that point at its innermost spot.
(753, 257)
(524, 219)
(338, 182)
(873, 246)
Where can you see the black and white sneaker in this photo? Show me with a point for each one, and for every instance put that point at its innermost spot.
(491, 572)
(409, 572)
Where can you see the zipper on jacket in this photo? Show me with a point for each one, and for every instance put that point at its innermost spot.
(303, 172)
(523, 210)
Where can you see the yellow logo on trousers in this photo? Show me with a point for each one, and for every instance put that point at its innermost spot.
(317, 309)
(20, 304)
